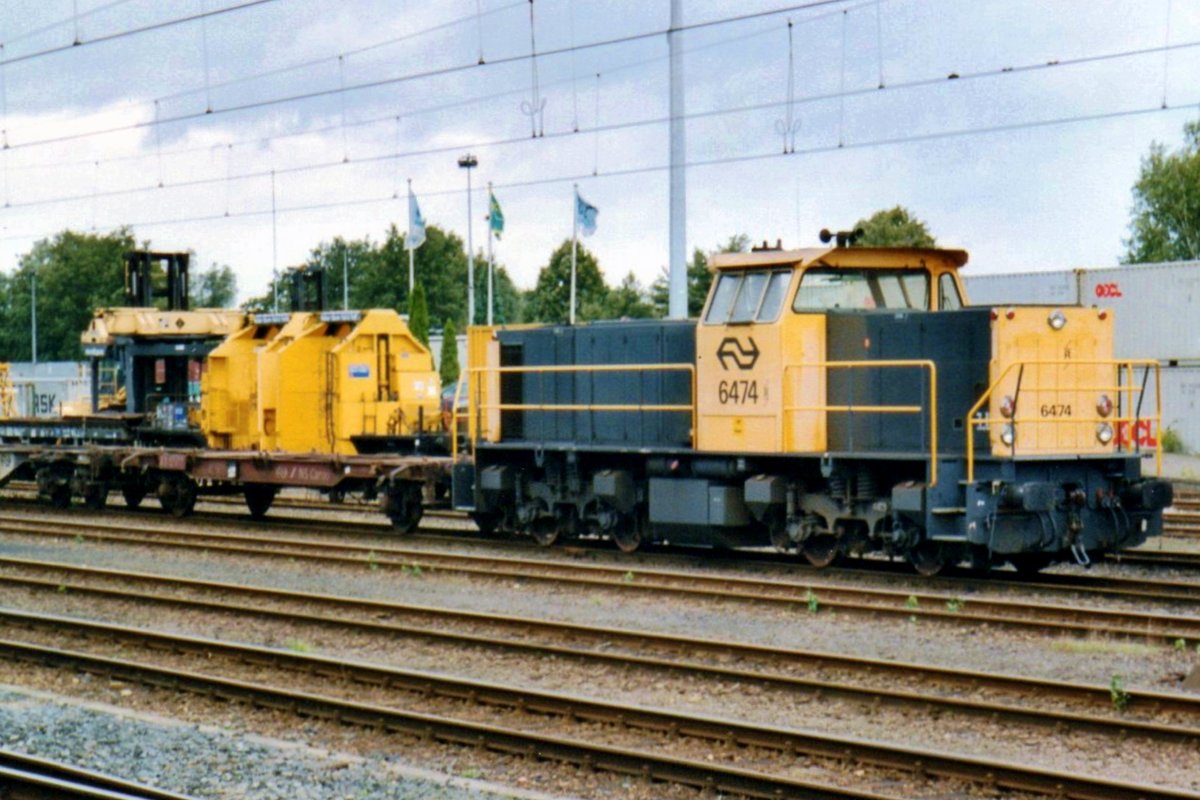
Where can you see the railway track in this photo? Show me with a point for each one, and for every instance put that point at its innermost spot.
(869, 681)
(904, 603)
(380, 535)
(374, 525)
(26, 777)
(710, 753)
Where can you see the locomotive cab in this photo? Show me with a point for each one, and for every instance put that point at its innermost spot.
(761, 345)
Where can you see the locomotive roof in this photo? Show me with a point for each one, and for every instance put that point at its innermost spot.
(884, 257)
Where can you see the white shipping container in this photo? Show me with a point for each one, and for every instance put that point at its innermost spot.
(1155, 308)
(41, 390)
(1023, 288)
(1181, 403)
(1154, 305)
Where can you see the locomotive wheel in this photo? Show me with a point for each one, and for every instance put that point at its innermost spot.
(979, 560)
(630, 534)
(1029, 564)
(928, 558)
(337, 496)
(546, 531)
(133, 493)
(95, 496)
(487, 522)
(60, 496)
(821, 550)
(259, 499)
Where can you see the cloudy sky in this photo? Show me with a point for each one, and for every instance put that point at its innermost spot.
(1026, 159)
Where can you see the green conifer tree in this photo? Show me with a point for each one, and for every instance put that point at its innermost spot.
(449, 361)
(418, 315)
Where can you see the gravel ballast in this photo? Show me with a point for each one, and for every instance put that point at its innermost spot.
(207, 762)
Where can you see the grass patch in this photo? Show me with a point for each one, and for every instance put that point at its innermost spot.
(1099, 646)
(298, 646)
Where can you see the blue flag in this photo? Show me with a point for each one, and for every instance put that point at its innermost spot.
(416, 224)
(585, 215)
(495, 216)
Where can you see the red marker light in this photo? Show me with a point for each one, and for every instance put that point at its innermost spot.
(1010, 314)
(1103, 315)
(995, 315)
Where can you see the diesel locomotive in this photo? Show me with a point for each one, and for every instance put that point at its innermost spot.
(833, 402)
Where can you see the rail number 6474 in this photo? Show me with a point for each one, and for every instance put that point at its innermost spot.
(737, 392)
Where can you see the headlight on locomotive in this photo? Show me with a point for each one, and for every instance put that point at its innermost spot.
(1104, 433)
(1008, 435)
(1008, 407)
(1057, 320)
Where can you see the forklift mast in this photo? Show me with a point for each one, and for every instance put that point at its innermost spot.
(140, 289)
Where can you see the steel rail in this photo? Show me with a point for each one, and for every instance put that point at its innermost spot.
(1178, 559)
(1135, 589)
(28, 777)
(674, 652)
(905, 603)
(448, 730)
(729, 733)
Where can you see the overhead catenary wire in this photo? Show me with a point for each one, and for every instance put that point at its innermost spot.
(917, 83)
(420, 75)
(313, 62)
(698, 163)
(125, 34)
(413, 112)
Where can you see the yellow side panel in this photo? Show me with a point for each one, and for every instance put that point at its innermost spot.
(804, 386)
(739, 388)
(480, 383)
(228, 414)
(1055, 402)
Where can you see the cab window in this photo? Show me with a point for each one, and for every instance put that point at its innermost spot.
(948, 297)
(748, 296)
(823, 288)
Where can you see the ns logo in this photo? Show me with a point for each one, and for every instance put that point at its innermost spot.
(731, 351)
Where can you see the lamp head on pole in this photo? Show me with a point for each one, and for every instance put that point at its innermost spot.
(468, 161)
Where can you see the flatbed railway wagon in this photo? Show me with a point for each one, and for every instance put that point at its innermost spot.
(832, 401)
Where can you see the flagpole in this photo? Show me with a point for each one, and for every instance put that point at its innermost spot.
(574, 247)
(491, 257)
(408, 246)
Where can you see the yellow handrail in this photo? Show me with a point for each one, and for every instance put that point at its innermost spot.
(477, 408)
(1126, 365)
(880, 409)
(458, 386)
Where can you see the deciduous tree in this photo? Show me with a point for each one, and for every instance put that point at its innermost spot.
(1166, 203)
(894, 227)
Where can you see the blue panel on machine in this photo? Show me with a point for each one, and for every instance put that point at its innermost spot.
(637, 344)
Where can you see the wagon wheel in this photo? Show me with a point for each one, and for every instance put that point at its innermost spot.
(821, 550)
(177, 496)
(133, 493)
(928, 558)
(259, 499)
(632, 531)
(404, 505)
